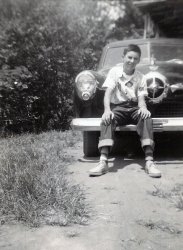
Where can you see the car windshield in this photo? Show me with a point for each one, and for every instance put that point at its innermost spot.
(167, 52)
(161, 52)
(114, 55)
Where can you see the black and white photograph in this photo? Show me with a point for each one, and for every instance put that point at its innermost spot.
(91, 124)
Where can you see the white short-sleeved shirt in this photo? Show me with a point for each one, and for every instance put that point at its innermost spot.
(125, 87)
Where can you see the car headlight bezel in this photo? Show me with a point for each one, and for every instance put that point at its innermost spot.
(157, 86)
(86, 85)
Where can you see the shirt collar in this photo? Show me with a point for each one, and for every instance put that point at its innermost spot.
(123, 74)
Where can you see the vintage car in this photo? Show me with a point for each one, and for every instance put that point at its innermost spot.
(161, 63)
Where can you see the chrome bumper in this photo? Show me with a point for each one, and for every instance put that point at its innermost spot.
(159, 124)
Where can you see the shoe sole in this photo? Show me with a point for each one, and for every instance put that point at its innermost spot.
(157, 175)
(98, 173)
(154, 175)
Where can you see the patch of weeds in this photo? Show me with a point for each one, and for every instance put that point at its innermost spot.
(35, 186)
(127, 243)
(177, 196)
(161, 225)
(72, 234)
(179, 202)
(115, 202)
(159, 192)
(174, 195)
(109, 188)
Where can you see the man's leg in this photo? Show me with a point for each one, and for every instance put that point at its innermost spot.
(145, 131)
(107, 139)
(105, 143)
(104, 151)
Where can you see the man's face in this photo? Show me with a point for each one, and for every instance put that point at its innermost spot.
(130, 60)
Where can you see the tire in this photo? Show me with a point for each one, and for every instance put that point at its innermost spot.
(90, 143)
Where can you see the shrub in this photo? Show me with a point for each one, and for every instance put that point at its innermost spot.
(44, 44)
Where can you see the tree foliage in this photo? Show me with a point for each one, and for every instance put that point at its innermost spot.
(44, 44)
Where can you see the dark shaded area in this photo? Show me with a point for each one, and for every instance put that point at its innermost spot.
(167, 145)
(167, 14)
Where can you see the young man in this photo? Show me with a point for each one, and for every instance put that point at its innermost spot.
(124, 103)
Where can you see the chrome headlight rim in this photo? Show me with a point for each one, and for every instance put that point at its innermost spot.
(83, 93)
(157, 82)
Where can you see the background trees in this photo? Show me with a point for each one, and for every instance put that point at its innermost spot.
(43, 45)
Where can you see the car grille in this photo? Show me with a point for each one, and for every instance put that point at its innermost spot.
(169, 109)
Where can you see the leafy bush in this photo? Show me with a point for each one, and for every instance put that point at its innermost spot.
(38, 45)
(44, 44)
(35, 186)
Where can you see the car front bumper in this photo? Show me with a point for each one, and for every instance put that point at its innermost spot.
(159, 124)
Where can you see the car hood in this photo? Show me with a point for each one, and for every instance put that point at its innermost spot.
(172, 71)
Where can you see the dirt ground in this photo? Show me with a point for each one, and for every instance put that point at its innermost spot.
(130, 210)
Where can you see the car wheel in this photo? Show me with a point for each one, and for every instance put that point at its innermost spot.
(90, 143)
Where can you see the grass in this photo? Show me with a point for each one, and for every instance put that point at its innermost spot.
(175, 195)
(161, 225)
(35, 186)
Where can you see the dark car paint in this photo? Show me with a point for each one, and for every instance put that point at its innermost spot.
(173, 71)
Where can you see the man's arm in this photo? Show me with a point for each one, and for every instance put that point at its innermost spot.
(108, 114)
(143, 111)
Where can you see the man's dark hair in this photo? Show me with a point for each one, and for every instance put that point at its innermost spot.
(132, 47)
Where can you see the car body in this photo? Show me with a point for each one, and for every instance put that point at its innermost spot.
(161, 63)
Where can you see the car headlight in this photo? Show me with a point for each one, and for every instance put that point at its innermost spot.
(86, 85)
(156, 86)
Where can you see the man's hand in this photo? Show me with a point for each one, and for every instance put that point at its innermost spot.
(107, 117)
(144, 112)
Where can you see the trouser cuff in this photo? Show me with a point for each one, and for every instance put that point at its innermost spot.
(105, 143)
